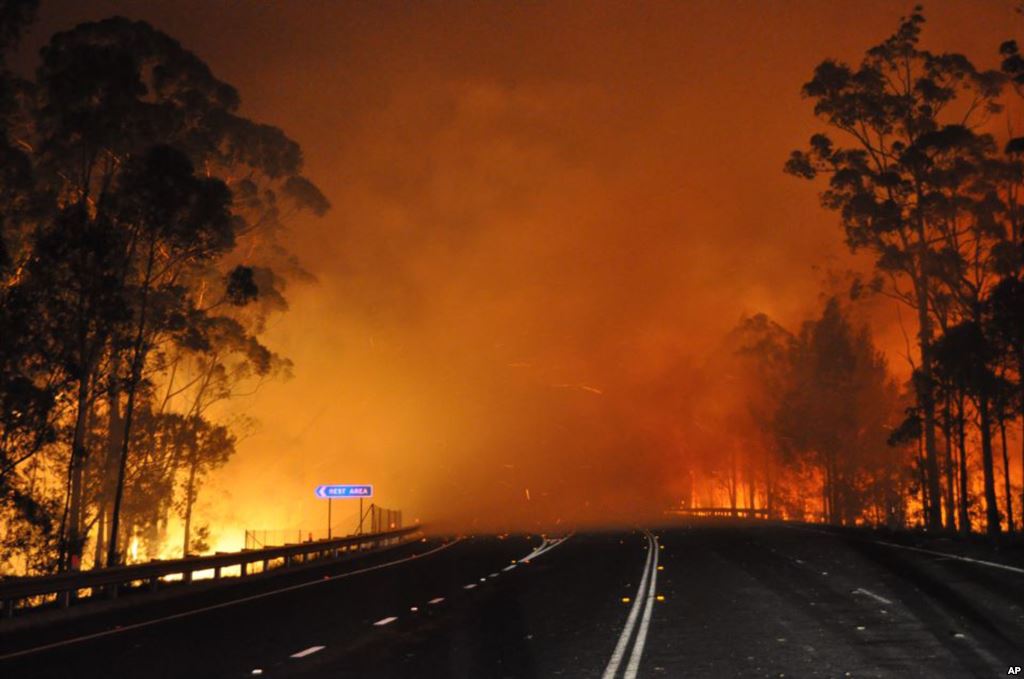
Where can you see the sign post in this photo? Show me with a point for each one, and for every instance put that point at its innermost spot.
(329, 492)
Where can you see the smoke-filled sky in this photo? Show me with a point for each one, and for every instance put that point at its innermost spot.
(545, 217)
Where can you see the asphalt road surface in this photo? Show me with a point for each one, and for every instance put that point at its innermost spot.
(709, 600)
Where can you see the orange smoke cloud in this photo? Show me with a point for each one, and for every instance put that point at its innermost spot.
(546, 217)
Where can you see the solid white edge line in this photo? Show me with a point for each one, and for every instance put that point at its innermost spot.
(879, 599)
(223, 604)
(946, 555)
(627, 630)
(980, 562)
(309, 651)
(641, 635)
(385, 621)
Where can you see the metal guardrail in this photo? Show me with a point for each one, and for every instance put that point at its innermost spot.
(719, 512)
(67, 586)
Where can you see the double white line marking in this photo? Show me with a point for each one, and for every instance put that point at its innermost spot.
(646, 594)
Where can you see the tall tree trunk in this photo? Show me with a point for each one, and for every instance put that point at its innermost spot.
(190, 499)
(196, 418)
(965, 519)
(76, 541)
(733, 481)
(922, 480)
(992, 518)
(947, 431)
(1006, 476)
(926, 399)
(138, 358)
(751, 486)
(101, 535)
(115, 430)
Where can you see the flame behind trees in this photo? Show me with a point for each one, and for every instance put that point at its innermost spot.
(921, 182)
(136, 284)
(823, 404)
(923, 186)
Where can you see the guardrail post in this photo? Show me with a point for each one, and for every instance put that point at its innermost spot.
(65, 598)
(154, 583)
(9, 608)
(242, 569)
(186, 576)
(216, 573)
(266, 565)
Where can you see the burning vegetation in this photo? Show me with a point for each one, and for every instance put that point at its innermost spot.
(518, 320)
(142, 256)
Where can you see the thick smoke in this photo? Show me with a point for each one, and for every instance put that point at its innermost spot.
(546, 217)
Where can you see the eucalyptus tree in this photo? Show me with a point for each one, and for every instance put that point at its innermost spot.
(1006, 325)
(882, 174)
(177, 218)
(15, 164)
(1006, 301)
(220, 358)
(965, 206)
(27, 398)
(964, 357)
(144, 149)
(908, 433)
(837, 403)
(1005, 408)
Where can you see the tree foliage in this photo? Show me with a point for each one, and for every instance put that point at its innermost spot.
(918, 177)
(143, 249)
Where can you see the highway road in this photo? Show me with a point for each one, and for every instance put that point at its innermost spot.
(708, 600)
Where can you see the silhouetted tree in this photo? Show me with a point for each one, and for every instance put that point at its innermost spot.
(142, 222)
(836, 409)
(129, 86)
(893, 109)
(964, 356)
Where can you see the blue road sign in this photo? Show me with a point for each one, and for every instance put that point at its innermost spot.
(328, 492)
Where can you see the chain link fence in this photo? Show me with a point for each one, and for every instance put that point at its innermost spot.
(375, 519)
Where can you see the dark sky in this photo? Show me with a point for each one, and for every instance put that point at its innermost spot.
(545, 216)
